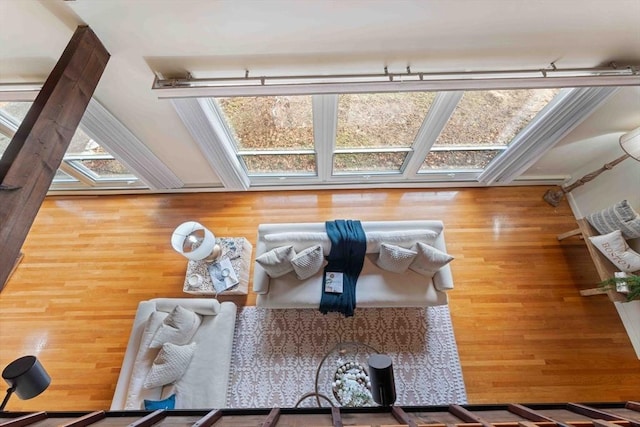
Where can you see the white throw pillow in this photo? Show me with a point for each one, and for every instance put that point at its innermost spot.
(394, 258)
(170, 364)
(429, 260)
(614, 247)
(178, 328)
(308, 262)
(277, 262)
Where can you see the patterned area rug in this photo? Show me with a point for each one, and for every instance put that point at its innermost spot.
(276, 353)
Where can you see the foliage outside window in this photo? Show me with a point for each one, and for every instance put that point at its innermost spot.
(273, 134)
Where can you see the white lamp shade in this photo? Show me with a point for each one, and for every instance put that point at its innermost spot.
(630, 143)
(193, 235)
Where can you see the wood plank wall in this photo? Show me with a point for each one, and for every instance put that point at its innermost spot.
(523, 331)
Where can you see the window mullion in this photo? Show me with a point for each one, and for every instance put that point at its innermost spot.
(325, 122)
(76, 173)
(436, 119)
(7, 125)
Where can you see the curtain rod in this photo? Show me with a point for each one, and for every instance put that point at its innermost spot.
(248, 85)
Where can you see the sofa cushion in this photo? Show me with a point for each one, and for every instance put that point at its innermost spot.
(308, 262)
(169, 365)
(429, 260)
(620, 216)
(300, 240)
(395, 258)
(177, 328)
(277, 262)
(203, 306)
(615, 248)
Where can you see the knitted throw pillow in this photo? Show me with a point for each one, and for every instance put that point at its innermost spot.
(170, 364)
(395, 258)
(308, 262)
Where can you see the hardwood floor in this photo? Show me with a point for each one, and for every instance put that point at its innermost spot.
(524, 333)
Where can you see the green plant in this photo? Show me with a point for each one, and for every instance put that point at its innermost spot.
(632, 281)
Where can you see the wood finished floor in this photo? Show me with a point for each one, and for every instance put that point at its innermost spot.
(524, 334)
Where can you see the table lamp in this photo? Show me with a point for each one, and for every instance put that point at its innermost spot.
(383, 386)
(26, 377)
(195, 242)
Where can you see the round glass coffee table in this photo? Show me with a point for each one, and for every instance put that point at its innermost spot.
(342, 377)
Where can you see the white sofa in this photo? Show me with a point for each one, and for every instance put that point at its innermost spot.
(204, 383)
(375, 287)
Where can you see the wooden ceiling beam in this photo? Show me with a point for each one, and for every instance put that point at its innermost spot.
(32, 158)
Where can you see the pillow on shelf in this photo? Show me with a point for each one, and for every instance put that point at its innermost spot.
(615, 248)
(429, 260)
(395, 258)
(308, 262)
(168, 403)
(177, 328)
(620, 216)
(277, 262)
(170, 364)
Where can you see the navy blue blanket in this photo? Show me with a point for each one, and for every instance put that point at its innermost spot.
(348, 248)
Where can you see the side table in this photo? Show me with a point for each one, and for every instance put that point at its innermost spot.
(238, 250)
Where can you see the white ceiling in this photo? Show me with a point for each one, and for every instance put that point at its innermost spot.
(288, 36)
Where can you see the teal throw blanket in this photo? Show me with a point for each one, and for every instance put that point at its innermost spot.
(348, 248)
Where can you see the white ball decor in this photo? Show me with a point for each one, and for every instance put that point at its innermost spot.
(351, 385)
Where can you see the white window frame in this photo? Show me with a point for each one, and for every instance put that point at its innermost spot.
(554, 121)
(104, 128)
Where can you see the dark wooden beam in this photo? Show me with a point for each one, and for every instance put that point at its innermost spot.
(604, 423)
(527, 413)
(151, 419)
(402, 417)
(15, 266)
(209, 419)
(272, 419)
(34, 154)
(86, 420)
(598, 414)
(336, 417)
(634, 406)
(468, 416)
(25, 420)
